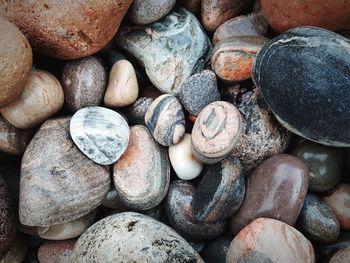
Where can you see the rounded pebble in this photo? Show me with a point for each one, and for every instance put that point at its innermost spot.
(137, 111)
(56, 251)
(341, 256)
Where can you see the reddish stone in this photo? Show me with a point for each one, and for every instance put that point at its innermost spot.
(56, 251)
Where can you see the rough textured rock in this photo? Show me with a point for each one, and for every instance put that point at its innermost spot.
(56, 251)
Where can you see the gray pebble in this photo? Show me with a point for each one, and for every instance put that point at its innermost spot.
(137, 111)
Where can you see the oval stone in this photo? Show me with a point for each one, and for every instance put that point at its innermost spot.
(142, 174)
(317, 62)
(132, 237)
(56, 251)
(341, 256)
(276, 189)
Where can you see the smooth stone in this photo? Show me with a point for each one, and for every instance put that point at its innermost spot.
(17, 251)
(252, 24)
(56, 251)
(123, 88)
(132, 237)
(341, 256)
(284, 15)
(7, 219)
(220, 192)
(42, 97)
(193, 6)
(182, 160)
(198, 91)
(171, 50)
(16, 62)
(325, 164)
(317, 62)
(317, 221)
(276, 189)
(84, 83)
(180, 215)
(68, 230)
(216, 250)
(85, 28)
(215, 132)
(232, 59)
(166, 120)
(216, 12)
(144, 12)
(339, 200)
(258, 241)
(12, 139)
(262, 136)
(113, 201)
(58, 182)
(100, 133)
(137, 111)
(142, 174)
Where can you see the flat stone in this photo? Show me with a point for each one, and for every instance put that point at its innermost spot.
(276, 189)
(128, 237)
(142, 174)
(171, 50)
(166, 120)
(100, 133)
(56, 251)
(341, 256)
(216, 250)
(137, 111)
(315, 60)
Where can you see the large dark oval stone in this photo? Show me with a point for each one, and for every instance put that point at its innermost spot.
(304, 75)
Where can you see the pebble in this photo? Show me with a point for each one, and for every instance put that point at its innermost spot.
(58, 183)
(262, 136)
(193, 6)
(41, 98)
(142, 174)
(113, 201)
(216, 12)
(123, 88)
(56, 251)
(100, 133)
(12, 139)
(143, 12)
(232, 58)
(85, 28)
(132, 237)
(179, 213)
(216, 250)
(252, 24)
(339, 200)
(317, 221)
(325, 164)
(320, 86)
(84, 83)
(276, 189)
(17, 251)
(67, 230)
(16, 62)
(182, 160)
(171, 50)
(198, 91)
(215, 132)
(284, 15)
(137, 111)
(166, 120)
(341, 256)
(220, 192)
(258, 241)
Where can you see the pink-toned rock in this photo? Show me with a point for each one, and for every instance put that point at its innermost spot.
(56, 251)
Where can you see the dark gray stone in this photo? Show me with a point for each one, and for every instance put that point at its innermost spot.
(216, 250)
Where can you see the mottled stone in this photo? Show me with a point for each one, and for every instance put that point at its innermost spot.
(216, 132)
(246, 25)
(182, 160)
(198, 91)
(58, 183)
(17, 251)
(276, 189)
(325, 164)
(16, 62)
(166, 120)
(339, 200)
(180, 215)
(85, 28)
(142, 174)
(220, 192)
(123, 88)
(137, 111)
(233, 58)
(100, 133)
(145, 12)
(132, 237)
(216, 250)
(171, 50)
(317, 221)
(56, 251)
(84, 83)
(341, 256)
(193, 6)
(317, 62)
(269, 240)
